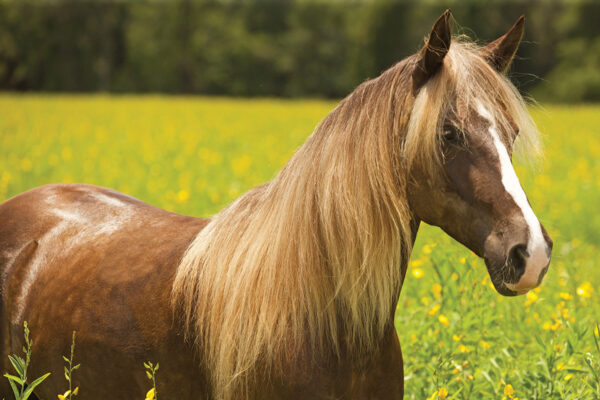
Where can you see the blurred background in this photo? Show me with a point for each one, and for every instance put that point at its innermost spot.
(277, 48)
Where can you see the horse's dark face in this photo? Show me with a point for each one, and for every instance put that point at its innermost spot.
(478, 200)
(480, 203)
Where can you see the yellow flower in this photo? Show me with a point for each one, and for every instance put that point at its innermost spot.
(183, 196)
(568, 377)
(457, 338)
(150, 394)
(463, 260)
(547, 326)
(454, 276)
(565, 296)
(417, 273)
(560, 366)
(463, 349)
(508, 390)
(64, 396)
(437, 290)
(585, 290)
(433, 396)
(442, 393)
(434, 309)
(443, 320)
(531, 298)
(484, 344)
(427, 249)
(557, 347)
(417, 263)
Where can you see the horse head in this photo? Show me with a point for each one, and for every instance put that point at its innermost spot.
(474, 195)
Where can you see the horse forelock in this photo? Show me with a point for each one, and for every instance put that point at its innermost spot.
(313, 260)
(467, 80)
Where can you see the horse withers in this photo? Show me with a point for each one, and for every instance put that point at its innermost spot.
(289, 292)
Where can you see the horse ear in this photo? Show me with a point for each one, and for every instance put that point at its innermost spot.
(501, 51)
(432, 55)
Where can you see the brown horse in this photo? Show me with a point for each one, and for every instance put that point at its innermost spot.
(289, 292)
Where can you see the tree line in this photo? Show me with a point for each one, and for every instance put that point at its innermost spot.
(288, 48)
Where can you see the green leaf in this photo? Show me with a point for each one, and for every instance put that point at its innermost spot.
(149, 375)
(146, 365)
(16, 364)
(32, 386)
(156, 368)
(14, 378)
(14, 389)
(76, 367)
(66, 359)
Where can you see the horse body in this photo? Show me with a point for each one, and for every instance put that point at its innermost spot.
(89, 259)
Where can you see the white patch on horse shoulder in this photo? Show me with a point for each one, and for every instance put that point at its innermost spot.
(68, 215)
(110, 200)
(536, 247)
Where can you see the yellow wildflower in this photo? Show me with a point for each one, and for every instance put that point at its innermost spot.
(463, 349)
(183, 196)
(443, 320)
(457, 338)
(417, 263)
(427, 249)
(557, 347)
(508, 390)
(485, 345)
(417, 273)
(547, 326)
(585, 290)
(531, 298)
(150, 394)
(565, 296)
(463, 260)
(454, 276)
(434, 309)
(64, 395)
(568, 377)
(433, 396)
(442, 393)
(437, 290)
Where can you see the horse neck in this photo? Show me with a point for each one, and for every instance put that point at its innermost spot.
(349, 229)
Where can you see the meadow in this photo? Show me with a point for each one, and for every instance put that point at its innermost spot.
(460, 339)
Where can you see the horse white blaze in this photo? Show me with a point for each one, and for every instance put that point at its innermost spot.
(537, 248)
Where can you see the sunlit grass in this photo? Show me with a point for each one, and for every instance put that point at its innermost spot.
(460, 338)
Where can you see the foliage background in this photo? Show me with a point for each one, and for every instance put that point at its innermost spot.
(292, 48)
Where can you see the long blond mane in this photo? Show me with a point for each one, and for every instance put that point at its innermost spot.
(312, 262)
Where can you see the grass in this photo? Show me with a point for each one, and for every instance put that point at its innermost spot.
(460, 339)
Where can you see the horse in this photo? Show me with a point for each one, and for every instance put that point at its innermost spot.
(290, 291)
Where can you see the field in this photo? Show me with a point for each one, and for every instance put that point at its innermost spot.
(461, 340)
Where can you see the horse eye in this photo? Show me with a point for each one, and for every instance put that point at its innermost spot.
(451, 135)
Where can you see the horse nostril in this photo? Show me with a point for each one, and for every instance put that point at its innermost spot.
(517, 257)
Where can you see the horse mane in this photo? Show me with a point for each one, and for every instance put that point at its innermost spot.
(312, 262)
